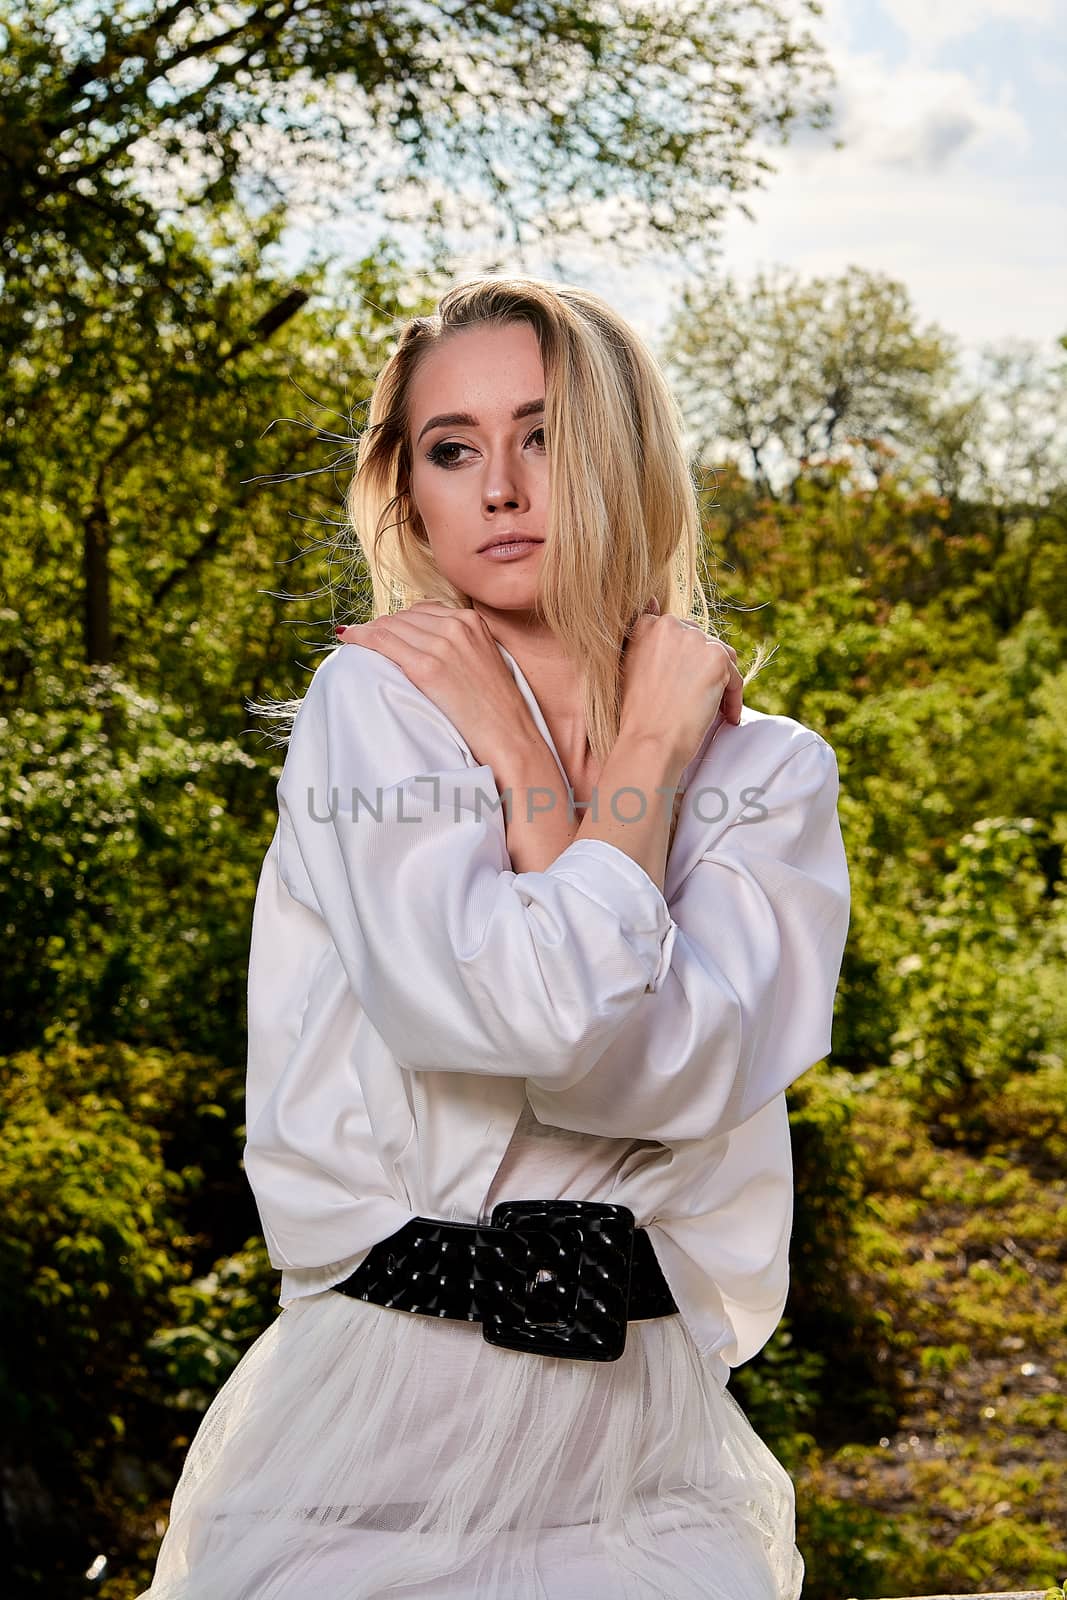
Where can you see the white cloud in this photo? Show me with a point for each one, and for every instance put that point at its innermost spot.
(929, 26)
(981, 258)
(1050, 74)
(936, 185)
(915, 116)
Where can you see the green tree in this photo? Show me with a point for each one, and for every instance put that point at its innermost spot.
(794, 382)
(787, 372)
(155, 153)
(109, 111)
(106, 1152)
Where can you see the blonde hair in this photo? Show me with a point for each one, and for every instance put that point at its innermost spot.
(623, 523)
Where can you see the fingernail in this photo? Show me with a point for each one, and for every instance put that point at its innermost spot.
(339, 630)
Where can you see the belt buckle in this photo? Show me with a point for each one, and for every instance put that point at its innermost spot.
(554, 1277)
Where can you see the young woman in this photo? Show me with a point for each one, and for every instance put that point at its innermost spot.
(547, 927)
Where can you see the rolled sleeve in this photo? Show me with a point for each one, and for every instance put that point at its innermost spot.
(636, 891)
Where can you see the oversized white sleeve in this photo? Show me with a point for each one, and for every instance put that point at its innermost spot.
(390, 834)
(747, 1003)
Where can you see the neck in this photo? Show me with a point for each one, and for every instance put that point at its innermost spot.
(552, 678)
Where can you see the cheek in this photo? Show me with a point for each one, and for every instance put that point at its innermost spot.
(433, 492)
(443, 505)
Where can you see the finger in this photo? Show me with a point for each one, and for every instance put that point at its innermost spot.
(371, 635)
(383, 634)
(439, 608)
(733, 697)
(420, 607)
(419, 635)
(410, 624)
(416, 628)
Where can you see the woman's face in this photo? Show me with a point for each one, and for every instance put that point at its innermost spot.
(483, 471)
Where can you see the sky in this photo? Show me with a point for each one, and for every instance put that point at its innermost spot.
(952, 175)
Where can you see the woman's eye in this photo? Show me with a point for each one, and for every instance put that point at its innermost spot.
(440, 458)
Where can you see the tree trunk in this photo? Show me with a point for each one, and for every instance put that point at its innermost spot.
(97, 579)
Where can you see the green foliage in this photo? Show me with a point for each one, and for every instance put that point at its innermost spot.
(829, 1315)
(128, 871)
(977, 998)
(215, 1319)
(92, 1239)
(850, 1549)
(113, 1158)
(780, 1393)
(949, 739)
(960, 1250)
(924, 635)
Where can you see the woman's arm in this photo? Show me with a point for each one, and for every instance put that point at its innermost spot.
(391, 836)
(748, 1000)
(453, 658)
(539, 824)
(638, 781)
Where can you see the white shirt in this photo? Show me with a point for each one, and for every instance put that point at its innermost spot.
(413, 1003)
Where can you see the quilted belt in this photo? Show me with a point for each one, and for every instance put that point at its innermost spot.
(550, 1277)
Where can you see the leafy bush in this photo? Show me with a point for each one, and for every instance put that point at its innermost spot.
(126, 876)
(978, 997)
(108, 1152)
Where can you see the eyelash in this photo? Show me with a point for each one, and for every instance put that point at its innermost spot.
(435, 455)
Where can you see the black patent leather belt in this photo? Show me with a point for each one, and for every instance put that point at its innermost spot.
(551, 1277)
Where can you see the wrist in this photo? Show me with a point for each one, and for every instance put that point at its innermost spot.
(539, 822)
(649, 752)
(526, 770)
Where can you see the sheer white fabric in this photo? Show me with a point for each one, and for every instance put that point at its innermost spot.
(359, 1452)
(429, 1033)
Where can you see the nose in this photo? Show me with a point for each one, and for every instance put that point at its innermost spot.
(501, 499)
(503, 489)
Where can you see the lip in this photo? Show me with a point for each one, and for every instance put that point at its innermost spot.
(512, 537)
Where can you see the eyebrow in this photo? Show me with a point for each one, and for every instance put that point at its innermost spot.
(463, 419)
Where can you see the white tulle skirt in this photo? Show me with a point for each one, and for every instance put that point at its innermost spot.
(358, 1452)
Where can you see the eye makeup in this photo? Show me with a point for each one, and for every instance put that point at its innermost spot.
(439, 459)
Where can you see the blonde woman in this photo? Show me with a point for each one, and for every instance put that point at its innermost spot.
(548, 925)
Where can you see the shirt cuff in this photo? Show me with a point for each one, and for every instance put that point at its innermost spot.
(297, 1282)
(622, 886)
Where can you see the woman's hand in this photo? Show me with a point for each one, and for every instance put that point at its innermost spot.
(451, 655)
(675, 677)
